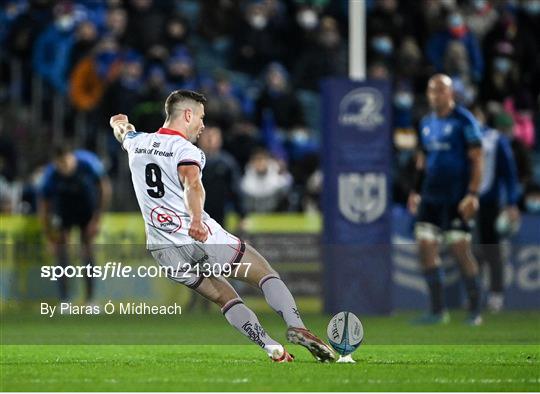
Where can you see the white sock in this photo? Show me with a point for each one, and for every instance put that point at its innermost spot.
(279, 297)
(244, 320)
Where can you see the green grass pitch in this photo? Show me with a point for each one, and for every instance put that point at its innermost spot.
(200, 352)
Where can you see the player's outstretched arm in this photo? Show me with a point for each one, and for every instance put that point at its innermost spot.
(120, 126)
(189, 175)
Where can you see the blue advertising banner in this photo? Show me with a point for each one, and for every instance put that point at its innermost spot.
(521, 255)
(356, 154)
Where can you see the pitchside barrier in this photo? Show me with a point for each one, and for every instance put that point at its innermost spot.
(291, 242)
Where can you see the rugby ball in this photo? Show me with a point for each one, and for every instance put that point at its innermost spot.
(345, 333)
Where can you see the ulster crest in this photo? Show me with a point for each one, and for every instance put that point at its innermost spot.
(362, 197)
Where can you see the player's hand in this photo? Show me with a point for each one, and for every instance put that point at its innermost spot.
(468, 206)
(513, 213)
(117, 119)
(413, 202)
(198, 231)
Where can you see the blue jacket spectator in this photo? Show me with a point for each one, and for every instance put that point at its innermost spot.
(52, 49)
(456, 31)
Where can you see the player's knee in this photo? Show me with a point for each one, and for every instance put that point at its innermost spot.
(427, 232)
(270, 275)
(456, 237)
(226, 303)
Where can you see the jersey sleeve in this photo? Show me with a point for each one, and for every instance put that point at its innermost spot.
(190, 155)
(471, 130)
(46, 185)
(420, 136)
(128, 140)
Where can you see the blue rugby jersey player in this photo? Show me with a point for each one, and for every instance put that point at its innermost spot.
(74, 191)
(74, 197)
(447, 170)
(451, 161)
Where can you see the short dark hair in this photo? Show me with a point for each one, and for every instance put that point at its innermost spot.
(181, 95)
(61, 149)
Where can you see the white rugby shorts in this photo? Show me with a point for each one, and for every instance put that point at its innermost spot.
(188, 264)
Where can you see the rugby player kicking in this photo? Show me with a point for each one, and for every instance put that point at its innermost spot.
(166, 171)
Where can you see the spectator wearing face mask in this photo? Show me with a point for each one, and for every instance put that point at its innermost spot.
(303, 31)
(456, 30)
(532, 199)
(517, 33)
(385, 20)
(260, 38)
(328, 57)
(381, 48)
(53, 46)
(480, 16)
(502, 76)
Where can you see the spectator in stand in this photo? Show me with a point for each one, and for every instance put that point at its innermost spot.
(481, 16)
(503, 74)
(222, 177)
(303, 31)
(86, 37)
(181, 72)
(456, 30)
(242, 141)
(53, 47)
(121, 97)
(225, 103)
(149, 110)
(327, 58)
(513, 28)
(116, 21)
(93, 73)
(22, 34)
(145, 25)
(265, 185)
(259, 39)
(505, 124)
(385, 20)
(409, 65)
(220, 19)
(279, 97)
(176, 32)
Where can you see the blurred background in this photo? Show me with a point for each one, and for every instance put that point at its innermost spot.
(67, 66)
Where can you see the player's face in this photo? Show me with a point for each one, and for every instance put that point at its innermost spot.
(196, 125)
(439, 94)
(66, 164)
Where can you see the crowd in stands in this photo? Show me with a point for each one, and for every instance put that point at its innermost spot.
(260, 62)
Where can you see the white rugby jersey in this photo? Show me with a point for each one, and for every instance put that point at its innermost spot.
(153, 160)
